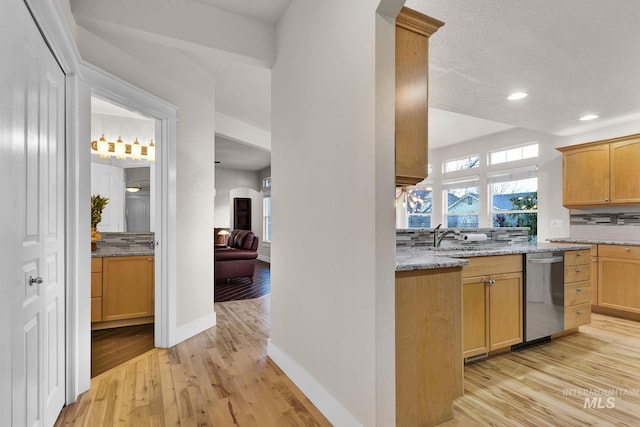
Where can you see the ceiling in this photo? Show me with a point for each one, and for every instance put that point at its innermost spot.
(235, 155)
(572, 57)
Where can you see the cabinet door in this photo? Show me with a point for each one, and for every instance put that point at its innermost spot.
(594, 281)
(127, 287)
(412, 80)
(475, 316)
(585, 176)
(505, 310)
(412, 61)
(618, 284)
(625, 173)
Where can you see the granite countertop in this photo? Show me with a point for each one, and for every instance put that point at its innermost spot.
(595, 241)
(426, 258)
(111, 251)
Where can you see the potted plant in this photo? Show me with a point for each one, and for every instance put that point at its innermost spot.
(98, 203)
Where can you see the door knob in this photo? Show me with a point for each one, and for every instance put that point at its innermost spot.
(35, 280)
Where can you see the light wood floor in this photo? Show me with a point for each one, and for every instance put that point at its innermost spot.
(547, 385)
(220, 377)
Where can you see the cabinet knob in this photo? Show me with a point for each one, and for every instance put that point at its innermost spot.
(578, 270)
(578, 289)
(594, 259)
(579, 254)
(627, 249)
(579, 313)
(606, 200)
(490, 282)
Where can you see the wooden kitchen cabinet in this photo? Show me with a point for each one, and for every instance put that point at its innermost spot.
(492, 304)
(585, 175)
(127, 287)
(601, 173)
(577, 288)
(428, 339)
(594, 275)
(413, 30)
(96, 289)
(618, 273)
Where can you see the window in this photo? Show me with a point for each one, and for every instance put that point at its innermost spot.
(462, 201)
(419, 208)
(461, 164)
(515, 204)
(266, 219)
(528, 151)
(266, 209)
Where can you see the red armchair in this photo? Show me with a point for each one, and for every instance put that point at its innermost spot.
(238, 259)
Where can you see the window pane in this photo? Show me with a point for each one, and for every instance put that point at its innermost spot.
(462, 207)
(419, 221)
(461, 164)
(419, 201)
(530, 151)
(514, 154)
(266, 219)
(498, 157)
(515, 204)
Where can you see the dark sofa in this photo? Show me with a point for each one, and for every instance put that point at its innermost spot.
(238, 258)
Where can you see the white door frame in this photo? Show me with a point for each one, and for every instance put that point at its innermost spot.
(81, 80)
(123, 94)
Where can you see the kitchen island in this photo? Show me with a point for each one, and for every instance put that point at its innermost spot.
(429, 319)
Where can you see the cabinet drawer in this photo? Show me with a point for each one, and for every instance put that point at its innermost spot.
(619, 251)
(96, 309)
(577, 273)
(577, 293)
(96, 265)
(96, 285)
(576, 257)
(577, 315)
(491, 265)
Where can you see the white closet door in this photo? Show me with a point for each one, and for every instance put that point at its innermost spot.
(36, 284)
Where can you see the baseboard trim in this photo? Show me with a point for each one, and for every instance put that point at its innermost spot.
(194, 327)
(337, 414)
(264, 258)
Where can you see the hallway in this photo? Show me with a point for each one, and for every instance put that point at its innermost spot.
(220, 377)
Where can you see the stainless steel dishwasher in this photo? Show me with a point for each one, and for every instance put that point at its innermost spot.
(544, 295)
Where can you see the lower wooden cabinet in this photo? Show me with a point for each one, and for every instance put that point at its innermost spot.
(492, 304)
(428, 341)
(577, 288)
(618, 279)
(122, 288)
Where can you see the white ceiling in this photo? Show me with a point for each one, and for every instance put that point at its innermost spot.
(262, 10)
(235, 155)
(573, 57)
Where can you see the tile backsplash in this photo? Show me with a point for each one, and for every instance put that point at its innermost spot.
(623, 226)
(495, 236)
(126, 240)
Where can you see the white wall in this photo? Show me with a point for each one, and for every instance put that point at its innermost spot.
(174, 78)
(331, 223)
(108, 181)
(226, 180)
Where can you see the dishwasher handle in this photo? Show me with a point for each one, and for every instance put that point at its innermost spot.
(551, 260)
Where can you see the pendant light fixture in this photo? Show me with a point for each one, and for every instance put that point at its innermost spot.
(122, 150)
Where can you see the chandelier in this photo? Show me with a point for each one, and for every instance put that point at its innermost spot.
(121, 150)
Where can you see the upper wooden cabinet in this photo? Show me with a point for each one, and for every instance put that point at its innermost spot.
(601, 173)
(412, 80)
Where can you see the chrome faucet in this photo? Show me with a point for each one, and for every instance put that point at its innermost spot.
(437, 236)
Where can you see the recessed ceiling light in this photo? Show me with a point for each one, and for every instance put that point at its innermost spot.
(517, 95)
(589, 117)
